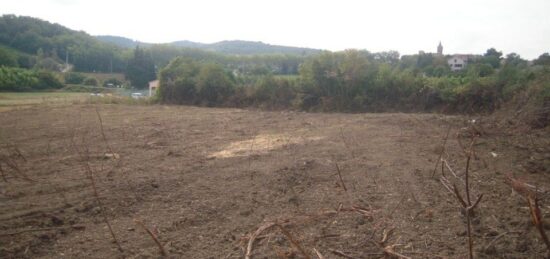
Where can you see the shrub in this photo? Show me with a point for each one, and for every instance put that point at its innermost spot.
(47, 80)
(74, 78)
(213, 84)
(19, 79)
(90, 81)
(271, 92)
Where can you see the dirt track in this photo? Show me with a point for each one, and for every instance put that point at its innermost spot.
(204, 179)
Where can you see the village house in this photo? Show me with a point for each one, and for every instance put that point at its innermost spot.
(153, 87)
(458, 61)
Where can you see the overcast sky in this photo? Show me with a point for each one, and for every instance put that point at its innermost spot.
(463, 26)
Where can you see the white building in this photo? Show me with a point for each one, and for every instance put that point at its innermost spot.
(153, 87)
(458, 62)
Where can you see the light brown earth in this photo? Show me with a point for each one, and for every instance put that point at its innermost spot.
(204, 179)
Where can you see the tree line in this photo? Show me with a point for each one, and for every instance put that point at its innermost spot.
(356, 81)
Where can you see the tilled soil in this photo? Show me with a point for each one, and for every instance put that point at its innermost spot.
(203, 180)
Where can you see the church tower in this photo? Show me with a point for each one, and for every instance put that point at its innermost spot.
(440, 49)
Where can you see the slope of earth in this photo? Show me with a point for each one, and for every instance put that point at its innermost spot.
(203, 181)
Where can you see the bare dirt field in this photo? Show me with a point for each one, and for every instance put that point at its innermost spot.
(204, 180)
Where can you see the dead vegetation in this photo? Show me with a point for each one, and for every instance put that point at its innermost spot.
(466, 204)
(152, 235)
(10, 158)
(530, 195)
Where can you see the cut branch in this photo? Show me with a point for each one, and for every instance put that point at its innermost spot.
(537, 220)
(319, 255)
(340, 177)
(153, 236)
(442, 151)
(346, 143)
(466, 204)
(103, 131)
(294, 242)
(254, 236)
(85, 158)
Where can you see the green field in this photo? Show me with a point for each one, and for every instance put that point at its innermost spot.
(10, 100)
(287, 76)
(101, 77)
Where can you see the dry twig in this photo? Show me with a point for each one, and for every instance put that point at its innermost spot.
(254, 236)
(497, 238)
(346, 143)
(85, 158)
(340, 177)
(442, 150)
(536, 216)
(444, 162)
(319, 255)
(153, 236)
(11, 163)
(466, 204)
(388, 250)
(293, 241)
(537, 220)
(2, 173)
(534, 209)
(102, 131)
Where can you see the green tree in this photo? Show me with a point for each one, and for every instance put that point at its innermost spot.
(480, 70)
(74, 78)
(492, 57)
(425, 60)
(543, 60)
(493, 52)
(140, 69)
(8, 58)
(213, 84)
(90, 81)
(177, 81)
(514, 59)
(47, 64)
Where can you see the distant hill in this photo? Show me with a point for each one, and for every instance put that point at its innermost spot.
(234, 47)
(120, 41)
(241, 47)
(31, 40)
(189, 44)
